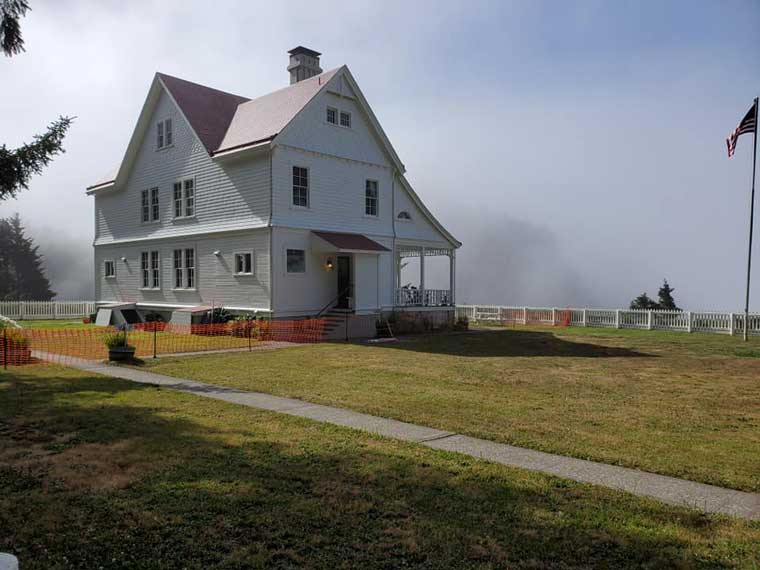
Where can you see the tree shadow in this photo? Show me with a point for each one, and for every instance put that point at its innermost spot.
(225, 486)
(509, 343)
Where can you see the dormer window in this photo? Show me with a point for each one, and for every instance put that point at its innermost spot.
(164, 134)
(345, 119)
(405, 216)
(332, 115)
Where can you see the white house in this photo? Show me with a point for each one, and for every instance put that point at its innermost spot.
(290, 204)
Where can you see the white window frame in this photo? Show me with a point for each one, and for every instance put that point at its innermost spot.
(405, 220)
(184, 199)
(184, 271)
(150, 271)
(305, 260)
(145, 206)
(112, 275)
(336, 115)
(340, 119)
(293, 187)
(164, 134)
(367, 183)
(235, 263)
(150, 210)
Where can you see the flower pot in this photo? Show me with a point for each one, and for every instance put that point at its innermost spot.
(121, 353)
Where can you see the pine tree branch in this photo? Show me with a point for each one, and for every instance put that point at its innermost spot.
(18, 166)
(11, 11)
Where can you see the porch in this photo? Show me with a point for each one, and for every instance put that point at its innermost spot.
(411, 295)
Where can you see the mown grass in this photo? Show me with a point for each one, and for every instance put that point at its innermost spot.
(672, 403)
(101, 473)
(54, 324)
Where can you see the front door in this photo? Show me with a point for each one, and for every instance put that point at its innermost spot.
(344, 281)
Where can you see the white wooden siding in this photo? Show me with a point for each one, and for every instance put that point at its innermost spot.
(229, 195)
(336, 193)
(419, 228)
(215, 279)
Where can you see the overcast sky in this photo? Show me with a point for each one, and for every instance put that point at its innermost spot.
(576, 149)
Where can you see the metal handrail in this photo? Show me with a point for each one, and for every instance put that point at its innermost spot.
(338, 296)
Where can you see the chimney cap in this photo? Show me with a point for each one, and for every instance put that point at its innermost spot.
(303, 50)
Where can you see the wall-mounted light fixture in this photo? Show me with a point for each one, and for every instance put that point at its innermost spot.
(329, 264)
(217, 253)
(124, 259)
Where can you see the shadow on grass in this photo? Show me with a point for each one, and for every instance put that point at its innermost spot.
(223, 486)
(505, 343)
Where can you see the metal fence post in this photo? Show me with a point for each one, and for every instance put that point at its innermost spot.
(5, 346)
(155, 329)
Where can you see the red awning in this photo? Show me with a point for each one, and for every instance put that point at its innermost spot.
(350, 242)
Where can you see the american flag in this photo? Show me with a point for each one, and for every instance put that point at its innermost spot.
(747, 125)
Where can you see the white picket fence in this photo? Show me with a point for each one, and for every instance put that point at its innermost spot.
(30, 310)
(683, 321)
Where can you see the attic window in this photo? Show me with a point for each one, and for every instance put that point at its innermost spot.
(345, 119)
(332, 115)
(404, 216)
(164, 134)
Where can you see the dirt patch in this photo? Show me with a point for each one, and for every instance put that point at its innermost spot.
(59, 461)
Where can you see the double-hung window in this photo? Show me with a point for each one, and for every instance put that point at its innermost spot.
(295, 261)
(183, 194)
(184, 268)
(300, 186)
(332, 115)
(164, 134)
(150, 269)
(345, 119)
(109, 269)
(244, 263)
(370, 198)
(150, 207)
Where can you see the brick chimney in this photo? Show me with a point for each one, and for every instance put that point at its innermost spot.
(304, 63)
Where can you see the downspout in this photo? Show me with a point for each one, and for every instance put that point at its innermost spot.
(271, 234)
(394, 262)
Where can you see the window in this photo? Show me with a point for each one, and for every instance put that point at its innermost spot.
(345, 119)
(300, 187)
(370, 198)
(150, 208)
(164, 134)
(332, 115)
(404, 216)
(183, 196)
(244, 263)
(109, 269)
(151, 270)
(296, 261)
(184, 268)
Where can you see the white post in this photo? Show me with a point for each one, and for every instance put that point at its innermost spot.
(554, 317)
(649, 320)
(453, 275)
(422, 277)
(584, 317)
(731, 324)
(617, 318)
(688, 322)
(525, 315)
(21, 310)
(55, 310)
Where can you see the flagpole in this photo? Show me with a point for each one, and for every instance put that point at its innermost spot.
(751, 220)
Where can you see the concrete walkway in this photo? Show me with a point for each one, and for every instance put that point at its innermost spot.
(707, 498)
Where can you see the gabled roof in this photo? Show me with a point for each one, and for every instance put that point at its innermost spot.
(209, 111)
(263, 118)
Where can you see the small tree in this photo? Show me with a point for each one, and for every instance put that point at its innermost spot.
(643, 302)
(665, 294)
(22, 277)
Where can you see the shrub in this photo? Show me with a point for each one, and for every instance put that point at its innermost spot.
(14, 337)
(462, 324)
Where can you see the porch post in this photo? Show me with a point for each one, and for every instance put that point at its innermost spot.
(452, 275)
(422, 277)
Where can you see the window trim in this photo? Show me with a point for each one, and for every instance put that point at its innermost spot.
(405, 220)
(308, 188)
(377, 198)
(152, 272)
(327, 115)
(105, 269)
(340, 119)
(305, 261)
(183, 269)
(183, 198)
(161, 131)
(234, 264)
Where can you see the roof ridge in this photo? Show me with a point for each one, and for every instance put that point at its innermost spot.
(297, 84)
(194, 84)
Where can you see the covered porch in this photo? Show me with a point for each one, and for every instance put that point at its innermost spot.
(420, 295)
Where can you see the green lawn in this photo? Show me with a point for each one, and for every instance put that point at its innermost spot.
(54, 324)
(101, 473)
(672, 403)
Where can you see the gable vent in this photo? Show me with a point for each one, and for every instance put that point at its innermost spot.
(304, 63)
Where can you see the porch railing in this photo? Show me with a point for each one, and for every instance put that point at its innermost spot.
(408, 297)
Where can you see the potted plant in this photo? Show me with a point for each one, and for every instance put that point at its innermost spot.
(119, 349)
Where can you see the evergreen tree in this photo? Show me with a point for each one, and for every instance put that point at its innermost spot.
(22, 277)
(18, 165)
(643, 302)
(667, 303)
